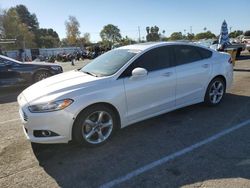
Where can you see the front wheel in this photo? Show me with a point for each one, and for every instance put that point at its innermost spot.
(95, 125)
(41, 75)
(215, 92)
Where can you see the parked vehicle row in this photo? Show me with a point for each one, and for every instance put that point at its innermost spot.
(238, 46)
(121, 87)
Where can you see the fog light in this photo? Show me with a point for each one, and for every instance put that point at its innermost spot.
(44, 133)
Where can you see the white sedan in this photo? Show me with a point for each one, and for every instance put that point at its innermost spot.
(121, 87)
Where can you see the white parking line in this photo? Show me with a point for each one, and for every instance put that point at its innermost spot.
(173, 156)
(3, 122)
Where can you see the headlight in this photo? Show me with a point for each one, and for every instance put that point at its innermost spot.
(56, 68)
(50, 106)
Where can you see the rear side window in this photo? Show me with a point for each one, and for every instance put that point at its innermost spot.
(186, 54)
(204, 53)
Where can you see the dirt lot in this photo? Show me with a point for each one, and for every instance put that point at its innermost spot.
(171, 150)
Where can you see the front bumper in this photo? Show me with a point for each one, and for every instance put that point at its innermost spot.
(59, 122)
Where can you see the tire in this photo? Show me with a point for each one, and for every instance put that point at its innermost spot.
(215, 92)
(92, 129)
(41, 75)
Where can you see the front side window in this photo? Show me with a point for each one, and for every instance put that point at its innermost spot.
(109, 63)
(152, 60)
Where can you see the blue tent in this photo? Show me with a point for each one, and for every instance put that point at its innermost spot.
(224, 38)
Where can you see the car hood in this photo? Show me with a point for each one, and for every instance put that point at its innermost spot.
(57, 86)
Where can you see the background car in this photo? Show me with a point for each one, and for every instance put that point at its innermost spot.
(121, 87)
(238, 46)
(16, 73)
(246, 40)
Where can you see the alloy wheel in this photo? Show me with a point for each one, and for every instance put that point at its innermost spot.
(216, 92)
(97, 127)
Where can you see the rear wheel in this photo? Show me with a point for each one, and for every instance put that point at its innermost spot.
(95, 125)
(215, 92)
(41, 75)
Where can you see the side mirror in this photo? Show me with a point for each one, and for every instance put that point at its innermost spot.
(139, 72)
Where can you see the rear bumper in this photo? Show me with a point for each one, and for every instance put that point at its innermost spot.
(229, 77)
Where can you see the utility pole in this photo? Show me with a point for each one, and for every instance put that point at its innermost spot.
(139, 32)
(191, 30)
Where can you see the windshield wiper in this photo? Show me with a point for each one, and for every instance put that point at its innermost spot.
(90, 73)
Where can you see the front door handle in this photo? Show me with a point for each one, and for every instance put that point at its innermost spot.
(167, 74)
(205, 65)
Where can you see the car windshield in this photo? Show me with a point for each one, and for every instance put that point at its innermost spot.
(109, 63)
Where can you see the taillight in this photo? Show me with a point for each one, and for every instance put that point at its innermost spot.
(230, 61)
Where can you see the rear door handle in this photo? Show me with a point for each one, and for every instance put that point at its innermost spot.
(205, 65)
(167, 74)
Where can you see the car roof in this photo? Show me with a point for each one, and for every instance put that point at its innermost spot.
(147, 45)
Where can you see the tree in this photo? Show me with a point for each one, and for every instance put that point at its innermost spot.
(176, 36)
(47, 38)
(1, 23)
(205, 35)
(190, 36)
(110, 34)
(247, 33)
(84, 41)
(126, 41)
(72, 30)
(13, 28)
(27, 18)
(64, 42)
(235, 34)
(86, 37)
(153, 33)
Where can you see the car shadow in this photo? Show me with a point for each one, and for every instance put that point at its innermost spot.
(243, 57)
(242, 70)
(71, 165)
(8, 95)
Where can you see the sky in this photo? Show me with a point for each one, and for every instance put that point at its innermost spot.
(133, 15)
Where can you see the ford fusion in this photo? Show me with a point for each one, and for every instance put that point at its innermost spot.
(121, 87)
(16, 73)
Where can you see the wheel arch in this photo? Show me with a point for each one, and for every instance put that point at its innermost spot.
(114, 109)
(40, 70)
(214, 77)
(220, 77)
